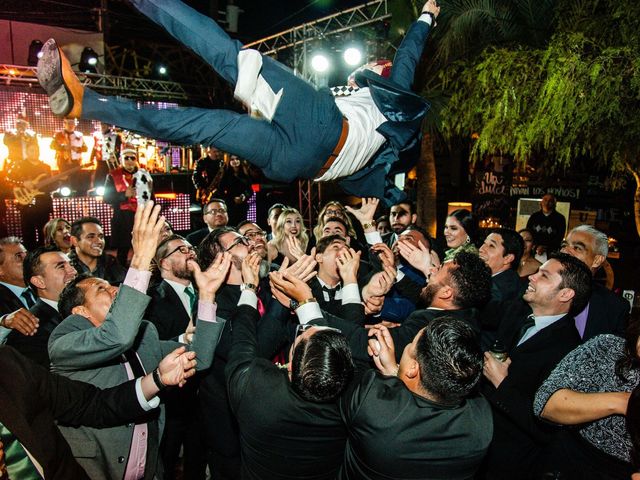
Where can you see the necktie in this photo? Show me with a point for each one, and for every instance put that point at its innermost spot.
(261, 308)
(330, 292)
(28, 297)
(190, 292)
(134, 362)
(528, 323)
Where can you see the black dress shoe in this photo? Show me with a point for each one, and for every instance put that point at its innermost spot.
(59, 81)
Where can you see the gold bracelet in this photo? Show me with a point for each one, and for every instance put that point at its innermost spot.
(368, 225)
(308, 300)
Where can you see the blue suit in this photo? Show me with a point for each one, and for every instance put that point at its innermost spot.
(307, 124)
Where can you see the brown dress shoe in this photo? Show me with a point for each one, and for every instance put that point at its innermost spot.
(59, 81)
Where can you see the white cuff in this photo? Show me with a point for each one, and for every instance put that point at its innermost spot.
(144, 403)
(373, 237)
(350, 294)
(248, 297)
(425, 17)
(308, 311)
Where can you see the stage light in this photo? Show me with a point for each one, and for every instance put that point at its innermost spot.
(162, 70)
(352, 56)
(65, 191)
(100, 191)
(35, 52)
(88, 61)
(320, 62)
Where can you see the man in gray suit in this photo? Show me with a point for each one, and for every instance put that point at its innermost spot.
(104, 341)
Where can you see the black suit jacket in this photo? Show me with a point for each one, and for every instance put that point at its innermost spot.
(166, 312)
(608, 313)
(35, 346)
(31, 399)
(358, 337)
(506, 286)
(8, 301)
(519, 438)
(332, 306)
(194, 238)
(283, 436)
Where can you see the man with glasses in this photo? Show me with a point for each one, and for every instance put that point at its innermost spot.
(122, 192)
(215, 215)
(289, 418)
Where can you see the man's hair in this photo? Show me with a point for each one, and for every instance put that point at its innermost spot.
(275, 206)
(72, 295)
(577, 276)
(243, 223)
(601, 239)
(214, 200)
(512, 243)
(163, 247)
(339, 220)
(450, 359)
(422, 231)
(210, 246)
(471, 280)
(324, 242)
(76, 227)
(321, 366)
(32, 264)
(7, 241)
(408, 203)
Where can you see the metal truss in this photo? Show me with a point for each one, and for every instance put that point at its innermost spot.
(309, 201)
(138, 88)
(299, 37)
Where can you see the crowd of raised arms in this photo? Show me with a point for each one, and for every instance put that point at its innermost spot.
(361, 349)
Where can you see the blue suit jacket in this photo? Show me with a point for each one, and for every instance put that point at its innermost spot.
(404, 111)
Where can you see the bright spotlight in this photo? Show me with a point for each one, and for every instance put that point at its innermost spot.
(65, 191)
(100, 191)
(320, 63)
(352, 56)
(162, 70)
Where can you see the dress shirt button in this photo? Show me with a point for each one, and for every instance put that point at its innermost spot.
(120, 459)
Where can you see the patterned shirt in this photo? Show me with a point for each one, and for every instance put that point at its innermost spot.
(590, 368)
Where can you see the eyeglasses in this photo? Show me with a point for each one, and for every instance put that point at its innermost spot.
(252, 234)
(334, 213)
(300, 329)
(184, 249)
(213, 211)
(243, 240)
(130, 157)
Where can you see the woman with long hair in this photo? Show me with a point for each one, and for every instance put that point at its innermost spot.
(459, 232)
(331, 209)
(235, 189)
(289, 239)
(528, 263)
(57, 231)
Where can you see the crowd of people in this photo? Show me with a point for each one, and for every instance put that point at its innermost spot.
(358, 354)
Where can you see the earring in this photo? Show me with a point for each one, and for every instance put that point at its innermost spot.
(468, 239)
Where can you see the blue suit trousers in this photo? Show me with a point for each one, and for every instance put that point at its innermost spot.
(295, 144)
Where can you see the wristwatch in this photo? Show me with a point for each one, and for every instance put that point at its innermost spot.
(294, 304)
(156, 379)
(247, 286)
(368, 225)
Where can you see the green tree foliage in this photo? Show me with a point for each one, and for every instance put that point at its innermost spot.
(577, 96)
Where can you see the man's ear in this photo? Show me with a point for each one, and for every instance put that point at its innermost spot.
(445, 292)
(318, 257)
(598, 260)
(80, 310)
(413, 369)
(508, 259)
(38, 282)
(566, 294)
(414, 218)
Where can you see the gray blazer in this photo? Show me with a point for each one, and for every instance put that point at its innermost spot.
(81, 351)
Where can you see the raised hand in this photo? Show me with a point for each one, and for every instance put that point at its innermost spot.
(494, 370)
(294, 247)
(348, 265)
(366, 212)
(380, 283)
(176, 367)
(382, 350)
(145, 237)
(212, 278)
(431, 6)
(373, 305)
(304, 268)
(291, 286)
(251, 268)
(21, 320)
(419, 256)
(386, 256)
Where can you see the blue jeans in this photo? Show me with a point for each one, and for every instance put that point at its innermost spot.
(302, 134)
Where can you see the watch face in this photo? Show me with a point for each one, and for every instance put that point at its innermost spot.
(293, 304)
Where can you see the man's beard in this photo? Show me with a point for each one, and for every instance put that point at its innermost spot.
(236, 261)
(265, 268)
(183, 273)
(429, 292)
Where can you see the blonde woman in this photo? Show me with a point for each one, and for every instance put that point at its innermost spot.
(290, 237)
(57, 232)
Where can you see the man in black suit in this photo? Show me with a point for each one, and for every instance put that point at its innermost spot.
(15, 296)
(289, 420)
(606, 312)
(444, 428)
(502, 251)
(32, 399)
(536, 343)
(172, 309)
(47, 270)
(456, 289)
(215, 215)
